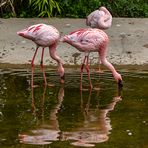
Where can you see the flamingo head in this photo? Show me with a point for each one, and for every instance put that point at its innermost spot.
(92, 18)
(120, 84)
(118, 79)
(64, 38)
(102, 8)
(24, 33)
(63, 79)
(61, 72)
(68, 38)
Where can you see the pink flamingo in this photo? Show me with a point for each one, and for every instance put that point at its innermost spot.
(45, 36)
(91, 40)
(101, 19)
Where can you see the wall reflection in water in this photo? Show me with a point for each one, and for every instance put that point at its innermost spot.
(95, 127)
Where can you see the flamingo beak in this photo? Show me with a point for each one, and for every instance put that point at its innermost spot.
(63, 79)
(120, 84)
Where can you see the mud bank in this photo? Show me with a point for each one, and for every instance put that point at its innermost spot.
(128, 42)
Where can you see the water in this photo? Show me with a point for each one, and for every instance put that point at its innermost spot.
(62, 116)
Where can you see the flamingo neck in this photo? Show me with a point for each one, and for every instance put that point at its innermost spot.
(105, 22)
(106, 19)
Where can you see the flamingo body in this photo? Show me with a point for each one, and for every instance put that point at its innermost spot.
(45, 36)
(92, 40)
(42, 34)
(87, 40)
(101, 19)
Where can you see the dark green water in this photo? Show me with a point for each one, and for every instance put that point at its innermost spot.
(64, 117)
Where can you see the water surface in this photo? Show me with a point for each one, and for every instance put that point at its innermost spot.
(63, 116)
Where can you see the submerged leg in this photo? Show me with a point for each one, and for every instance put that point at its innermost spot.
(88, 72)
(100, 70)
(99, 62)
(82, 67)
(42, 67)
(32, 65)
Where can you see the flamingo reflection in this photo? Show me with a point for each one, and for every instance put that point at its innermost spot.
(96, 126)
(47, 132)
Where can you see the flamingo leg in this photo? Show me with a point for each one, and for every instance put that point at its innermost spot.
(42, 67)
(33, 102)
(88, 72)
(82, 68)
(32, 65)
(100, 71)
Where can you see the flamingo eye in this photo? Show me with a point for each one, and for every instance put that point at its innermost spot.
(72, 38)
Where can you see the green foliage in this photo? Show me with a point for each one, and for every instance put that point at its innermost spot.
(71, 8)
(7, 5)
(13, 8)
(45, 8)
(118, 8)
(129, 8)
(78, 8)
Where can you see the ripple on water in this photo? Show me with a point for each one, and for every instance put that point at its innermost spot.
(72, 78)
(75, 115)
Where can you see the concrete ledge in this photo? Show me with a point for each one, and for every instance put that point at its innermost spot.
(128, 42)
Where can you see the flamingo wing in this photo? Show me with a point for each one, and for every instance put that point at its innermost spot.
(42, 34)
